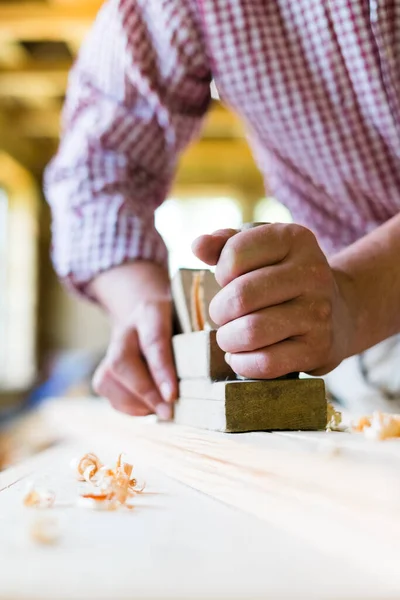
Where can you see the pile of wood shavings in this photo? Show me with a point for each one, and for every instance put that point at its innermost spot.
(378, 426)
(114, 486)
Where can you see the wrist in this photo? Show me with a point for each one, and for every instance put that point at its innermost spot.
(351, 314)
(120, 289)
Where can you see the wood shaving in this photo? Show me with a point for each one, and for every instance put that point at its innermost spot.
(45, 531)
(334, 418)
(197, 301)
(378, 426)
(115, 485)
(86, 467)
(38, 498)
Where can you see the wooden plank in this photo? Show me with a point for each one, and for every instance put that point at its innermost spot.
(23, 151)
(36, 21)
(36, 123)
(344, 507)
(238, 406)
(198, 355)
(177, 543)
(49, 80)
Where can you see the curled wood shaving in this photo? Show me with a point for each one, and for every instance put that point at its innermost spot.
(378, 426)
(38, 498)
(334, 418)
(197, 301)
(115, 484)
(86, 467)
(45, 531)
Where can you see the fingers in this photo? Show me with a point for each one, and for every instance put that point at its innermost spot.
(263, 246)
(265, 328)
(155, 334)
(105, 385)
(125, 366)
(289, 356)
(208, 247)
(256, 290)
(128, 367)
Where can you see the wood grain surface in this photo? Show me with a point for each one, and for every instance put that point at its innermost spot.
(305, 515)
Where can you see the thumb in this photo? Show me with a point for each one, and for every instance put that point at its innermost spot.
(155, 339)
(209, 247)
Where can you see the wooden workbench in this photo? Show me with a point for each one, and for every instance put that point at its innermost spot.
(313, 515)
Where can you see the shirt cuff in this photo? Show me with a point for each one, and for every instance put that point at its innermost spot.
(97, 237)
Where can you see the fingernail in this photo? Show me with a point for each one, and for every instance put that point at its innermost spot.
(228, 357)
(166, 391)
(163, 412)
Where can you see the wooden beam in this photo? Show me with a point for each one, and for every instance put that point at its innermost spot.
(35, 79)
(34, 21)
(12, 54)
(35, 123)
(21, 151)
(223, 160)
(222, 123)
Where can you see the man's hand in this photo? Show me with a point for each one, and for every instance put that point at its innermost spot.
(282, 307)
(137, 374)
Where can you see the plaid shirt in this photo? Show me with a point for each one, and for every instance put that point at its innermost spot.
(316, 82)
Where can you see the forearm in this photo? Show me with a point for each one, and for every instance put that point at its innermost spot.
(369, 275)
(125, 125)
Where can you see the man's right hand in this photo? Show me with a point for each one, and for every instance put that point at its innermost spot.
(137, 374)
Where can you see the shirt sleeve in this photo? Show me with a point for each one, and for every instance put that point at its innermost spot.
(136, 97)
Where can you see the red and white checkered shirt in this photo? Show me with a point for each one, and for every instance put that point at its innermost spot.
(316, 81)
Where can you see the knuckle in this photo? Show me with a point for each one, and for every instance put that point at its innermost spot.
(263, 363)
(321, 311)
(250, 332)
(240, 298)
(321, 273)
(154, 340)
(324, 310)
(300, 235)
(295, 231)
(230, 261)
(154, 335)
